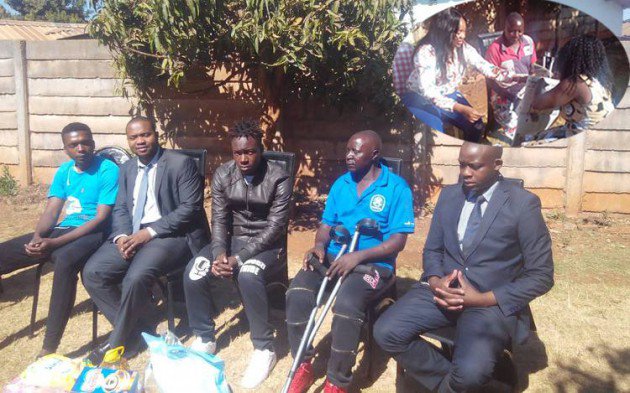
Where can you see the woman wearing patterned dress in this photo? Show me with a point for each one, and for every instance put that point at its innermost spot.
(584, 92)
(440, 61)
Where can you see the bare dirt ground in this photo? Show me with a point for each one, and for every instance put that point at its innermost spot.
(582, 343)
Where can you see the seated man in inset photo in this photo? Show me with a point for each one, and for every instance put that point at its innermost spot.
(516, 52)
(250, 212)
(86, 185)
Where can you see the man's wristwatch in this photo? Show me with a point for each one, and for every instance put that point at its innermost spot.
(239, 262)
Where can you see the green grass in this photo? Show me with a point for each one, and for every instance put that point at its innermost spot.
(8, 184)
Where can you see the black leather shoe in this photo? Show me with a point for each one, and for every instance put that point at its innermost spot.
(95, 358)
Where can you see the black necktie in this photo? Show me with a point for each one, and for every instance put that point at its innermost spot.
(474, 222)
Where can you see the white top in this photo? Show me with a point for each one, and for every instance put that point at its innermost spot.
(427, 80)
(151, 210)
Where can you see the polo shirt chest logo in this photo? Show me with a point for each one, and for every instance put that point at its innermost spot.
(377, 203)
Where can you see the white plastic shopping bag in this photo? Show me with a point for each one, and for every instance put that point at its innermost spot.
(174, 368)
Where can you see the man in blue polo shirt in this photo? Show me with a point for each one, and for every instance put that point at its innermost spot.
(86, 186)
(367, 190)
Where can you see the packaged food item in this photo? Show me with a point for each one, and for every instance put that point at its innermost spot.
(19, 386)
(106, 380)
(50, 373)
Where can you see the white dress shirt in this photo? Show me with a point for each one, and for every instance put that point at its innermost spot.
(151, 210)
(467, 211)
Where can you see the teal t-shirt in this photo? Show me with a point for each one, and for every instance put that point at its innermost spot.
(84, 191)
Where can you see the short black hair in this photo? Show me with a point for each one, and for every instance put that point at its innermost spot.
(75, 127)
(136, 119)
(514, 17)
(248, 128)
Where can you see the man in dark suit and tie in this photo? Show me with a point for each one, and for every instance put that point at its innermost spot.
(157, 226)
(487, 255)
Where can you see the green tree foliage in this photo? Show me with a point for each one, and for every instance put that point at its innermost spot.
(4, 14)
(49, 10)
(341, 50)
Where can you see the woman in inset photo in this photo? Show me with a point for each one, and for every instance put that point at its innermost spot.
(439, 63)
(584, 93)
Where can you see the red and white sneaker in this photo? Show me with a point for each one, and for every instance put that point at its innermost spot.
(330, 388)
(303, 378)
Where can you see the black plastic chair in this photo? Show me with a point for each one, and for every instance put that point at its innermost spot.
(394, 164)
(278, 286)
(168, 281)
(484, 41)
(113, 153)
(386, 296)
(505, 369)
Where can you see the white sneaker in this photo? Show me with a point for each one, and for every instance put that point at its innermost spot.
(199, 345)
(258, 369)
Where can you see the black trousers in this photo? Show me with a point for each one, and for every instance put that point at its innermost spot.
(121, 288)
(68, 260)
(255, 273)
(349, 308)
(481, 335)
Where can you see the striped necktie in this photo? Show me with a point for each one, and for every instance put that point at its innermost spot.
(138, 210)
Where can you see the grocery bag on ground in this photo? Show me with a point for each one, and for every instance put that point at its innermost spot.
(174, 368)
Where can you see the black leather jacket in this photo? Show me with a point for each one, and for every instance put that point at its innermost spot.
(257, 213)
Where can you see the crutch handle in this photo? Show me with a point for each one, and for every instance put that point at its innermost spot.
(364, 269)
(317, 265)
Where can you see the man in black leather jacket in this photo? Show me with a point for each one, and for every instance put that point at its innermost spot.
(250, 212)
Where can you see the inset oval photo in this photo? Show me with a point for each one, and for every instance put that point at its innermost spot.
(486, 73)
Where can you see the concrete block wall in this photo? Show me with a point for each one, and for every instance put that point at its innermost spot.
(543, 168)
(75, 81)
(606, 176)
(8, 118)
(71, 81)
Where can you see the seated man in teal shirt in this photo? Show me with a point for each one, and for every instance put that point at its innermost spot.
(367, 190)
(87, 186)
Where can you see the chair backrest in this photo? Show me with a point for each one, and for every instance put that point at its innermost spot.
(114, 153)
(394, 164)
(285, 159)
(518, 182)
(199, 156)
(514, 180)
(486, 39)
(288, 161)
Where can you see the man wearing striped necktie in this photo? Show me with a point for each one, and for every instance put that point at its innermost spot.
(157, 226)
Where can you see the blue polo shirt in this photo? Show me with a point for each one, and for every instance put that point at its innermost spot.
(388, 200)
(84, 191)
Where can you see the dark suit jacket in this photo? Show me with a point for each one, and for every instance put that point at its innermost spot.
(179, 192)
(511, 251)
